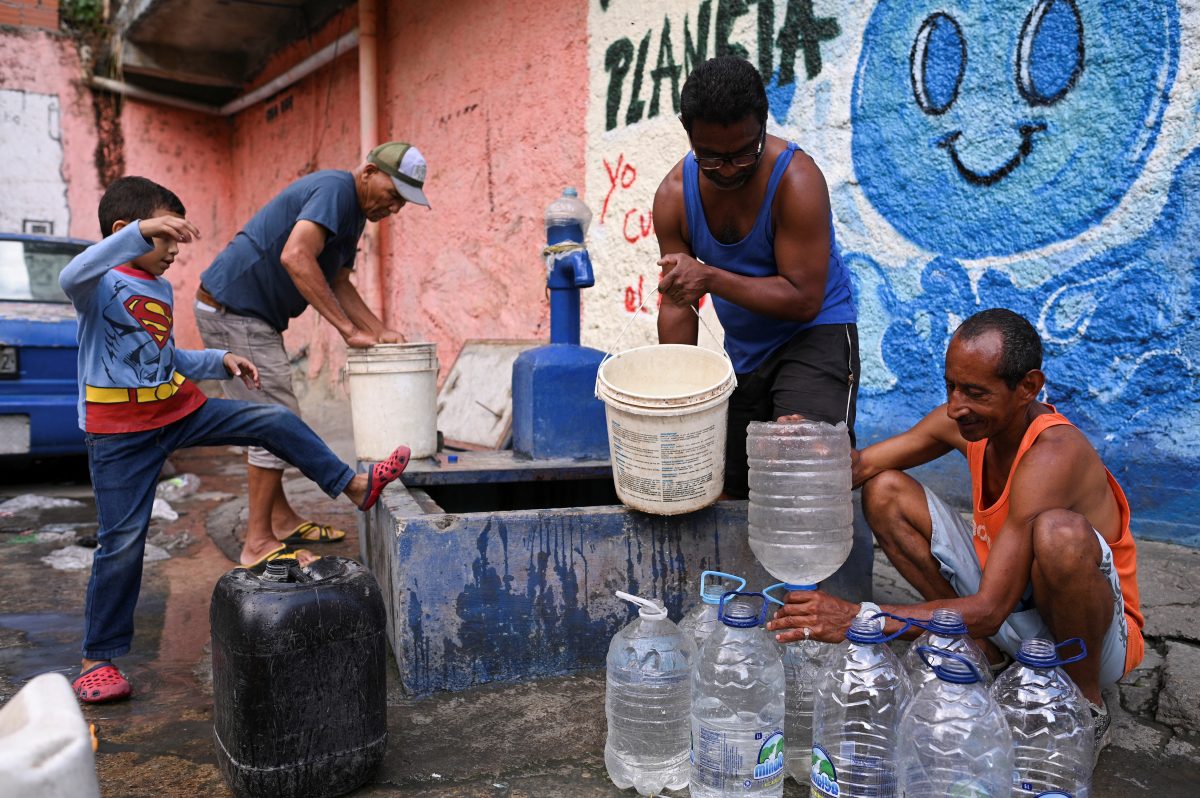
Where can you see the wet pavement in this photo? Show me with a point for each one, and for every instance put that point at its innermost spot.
(531, 740)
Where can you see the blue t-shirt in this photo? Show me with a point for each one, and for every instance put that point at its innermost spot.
(247, 277)
(751, 338)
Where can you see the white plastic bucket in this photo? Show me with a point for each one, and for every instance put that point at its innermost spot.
(393, 399)
(45, 745)
(667, 407)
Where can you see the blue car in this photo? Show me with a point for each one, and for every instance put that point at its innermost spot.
(38, 349)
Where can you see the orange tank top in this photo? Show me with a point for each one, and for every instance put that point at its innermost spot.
(990, 520)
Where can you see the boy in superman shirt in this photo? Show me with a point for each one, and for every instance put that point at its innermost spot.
(138, 403)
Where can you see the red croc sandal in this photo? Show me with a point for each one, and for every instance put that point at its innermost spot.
(101, 683)
(381, 474)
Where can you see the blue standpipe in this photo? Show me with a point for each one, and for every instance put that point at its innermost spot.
(555, 411)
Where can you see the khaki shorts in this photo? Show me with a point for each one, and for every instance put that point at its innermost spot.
(953, 548)
(259, 342)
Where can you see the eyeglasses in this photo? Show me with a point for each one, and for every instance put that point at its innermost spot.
(737, 161)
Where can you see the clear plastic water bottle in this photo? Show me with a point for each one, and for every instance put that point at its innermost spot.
(568, 210)
(804, 663)
(646, 700)
(800, 517)
(1052, 729)
(701, 620)
(856, 714)
(737, 706)
(953, 739)
(945, 630)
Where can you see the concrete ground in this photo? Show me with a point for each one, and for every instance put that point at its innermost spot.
(536, 739)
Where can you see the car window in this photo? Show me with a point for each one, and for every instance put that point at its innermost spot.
(29, 269)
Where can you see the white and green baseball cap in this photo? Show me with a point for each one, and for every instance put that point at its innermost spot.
(405, 165)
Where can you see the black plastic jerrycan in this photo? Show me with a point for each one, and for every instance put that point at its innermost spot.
(299, 679)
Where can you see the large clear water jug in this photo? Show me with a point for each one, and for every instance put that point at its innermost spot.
(953, 738)
(945, 630)
(701, 620)
(800, 517)
(856, 714)
(738, 706)
(647, 700)
(804, 664)
(1052, 729)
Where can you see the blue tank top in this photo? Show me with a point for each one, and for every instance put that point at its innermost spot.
(750, 338)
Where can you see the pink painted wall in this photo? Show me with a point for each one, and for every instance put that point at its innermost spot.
(498, 109)
(40, 61)
(494, 96)
(189, 153)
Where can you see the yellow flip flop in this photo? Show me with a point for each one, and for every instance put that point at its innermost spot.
(270, 555)
(281, 554)
(312, 532)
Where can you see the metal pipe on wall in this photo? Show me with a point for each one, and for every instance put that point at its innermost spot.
(368, 125)
(296, 73)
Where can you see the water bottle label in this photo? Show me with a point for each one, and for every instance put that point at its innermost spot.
(973, 788)
(751, 760)
(824, 775)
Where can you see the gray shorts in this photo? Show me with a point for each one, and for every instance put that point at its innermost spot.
(953, 548)
(263, 345)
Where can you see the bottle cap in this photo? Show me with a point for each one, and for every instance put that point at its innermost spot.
(652, 610)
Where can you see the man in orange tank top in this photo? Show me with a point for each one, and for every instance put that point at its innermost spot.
(1048, 552)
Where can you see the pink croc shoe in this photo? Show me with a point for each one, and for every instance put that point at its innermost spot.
(381, 474)
(102, 683)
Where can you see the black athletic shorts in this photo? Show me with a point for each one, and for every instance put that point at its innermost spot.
(815, 374)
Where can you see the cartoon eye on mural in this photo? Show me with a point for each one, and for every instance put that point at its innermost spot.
(991, 128)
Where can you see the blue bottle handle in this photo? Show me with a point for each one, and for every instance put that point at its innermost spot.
(926, 651)
(766, 591)
(704, 577)
(908, 624)
(1082, 651)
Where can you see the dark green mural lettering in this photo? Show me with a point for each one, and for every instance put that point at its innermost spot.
(616, 63)
(766, 36)
(801, 30)
(636, 104)
(665, 68)
(776, 52)
(727, 13)
(696, 53)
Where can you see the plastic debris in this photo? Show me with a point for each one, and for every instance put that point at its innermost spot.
(163, 511)
(77, 558)
(46, 536)
(177, 487)
(33, 502)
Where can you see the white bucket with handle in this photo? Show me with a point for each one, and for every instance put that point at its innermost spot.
(393, 399)
(666, 406)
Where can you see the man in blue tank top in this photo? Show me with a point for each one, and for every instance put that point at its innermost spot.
(299, 250)
(745, 217)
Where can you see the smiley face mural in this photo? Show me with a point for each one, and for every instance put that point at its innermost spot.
(1039, 155)
(991, 127)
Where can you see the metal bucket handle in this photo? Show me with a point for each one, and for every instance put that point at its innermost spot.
(608, 355)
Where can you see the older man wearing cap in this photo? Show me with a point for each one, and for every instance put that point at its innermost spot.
(298, 250)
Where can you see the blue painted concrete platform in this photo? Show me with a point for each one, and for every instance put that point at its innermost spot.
(487, 595)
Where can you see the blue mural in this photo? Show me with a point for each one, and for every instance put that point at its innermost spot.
(989, 127)
(992, 129)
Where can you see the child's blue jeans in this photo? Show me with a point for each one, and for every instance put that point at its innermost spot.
(125, 468)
